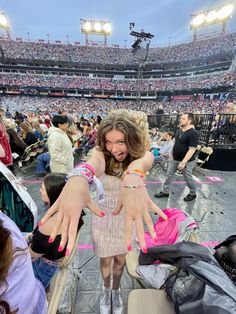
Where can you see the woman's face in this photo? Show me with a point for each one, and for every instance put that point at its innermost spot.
(115, 144)
(44, 195)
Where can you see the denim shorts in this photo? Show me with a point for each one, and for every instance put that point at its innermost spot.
(44, 271)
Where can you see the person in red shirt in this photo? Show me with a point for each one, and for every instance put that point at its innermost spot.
(6, 155)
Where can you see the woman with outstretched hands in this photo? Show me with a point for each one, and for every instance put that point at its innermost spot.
(119, 161)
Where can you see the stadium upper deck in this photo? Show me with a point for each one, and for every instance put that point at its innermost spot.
(205, 51)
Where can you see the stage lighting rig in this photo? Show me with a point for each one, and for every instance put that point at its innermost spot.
(140, 37)
(142, 58)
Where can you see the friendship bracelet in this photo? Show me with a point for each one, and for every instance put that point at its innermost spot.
(135, 171)
(86, 166)
(130, 186)
(80, 172)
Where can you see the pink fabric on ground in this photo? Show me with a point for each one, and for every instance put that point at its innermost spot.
(166, 231)
(211, 244)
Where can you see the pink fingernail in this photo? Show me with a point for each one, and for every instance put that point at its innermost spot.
(39, 223)
(50, 240)
(144, 249)
(129, 247)
(60, 248)
(102, 214)
(67, 252)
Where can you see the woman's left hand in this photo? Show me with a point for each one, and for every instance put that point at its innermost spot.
(137, 203)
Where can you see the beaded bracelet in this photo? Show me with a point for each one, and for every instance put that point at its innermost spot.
(86, 166)
(135, 171)
(130, 186)
(82, 172)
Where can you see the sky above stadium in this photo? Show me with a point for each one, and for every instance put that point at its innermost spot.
(167, 20)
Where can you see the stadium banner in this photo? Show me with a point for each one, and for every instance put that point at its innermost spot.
(57, 94)
(182, 97)
(74, 95)
(100, 96)
(13, 92)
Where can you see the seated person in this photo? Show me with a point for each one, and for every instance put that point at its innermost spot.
(45, 254)
(27, 133)
(165, 144)
(20, 291)
(17, 144)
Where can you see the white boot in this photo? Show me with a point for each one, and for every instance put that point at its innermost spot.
(105, 301)
(117, 303)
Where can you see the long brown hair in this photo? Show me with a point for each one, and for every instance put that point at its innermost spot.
(6, 258)
(123, 121)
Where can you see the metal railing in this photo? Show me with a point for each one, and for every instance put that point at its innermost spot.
(216, 131)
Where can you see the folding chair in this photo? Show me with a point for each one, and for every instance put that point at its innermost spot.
(58, 281)
(41, 146)
(34, 150)
(26, 155)
(207, 151)
(159, 165)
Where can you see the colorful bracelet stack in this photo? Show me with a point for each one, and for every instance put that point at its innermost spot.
(136, 172)
(83, 170)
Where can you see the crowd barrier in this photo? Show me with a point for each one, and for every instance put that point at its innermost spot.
(215, 131)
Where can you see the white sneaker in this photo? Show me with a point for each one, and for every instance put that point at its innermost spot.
(105, 301)
(117, 303)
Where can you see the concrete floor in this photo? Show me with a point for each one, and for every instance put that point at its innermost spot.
(214, 210)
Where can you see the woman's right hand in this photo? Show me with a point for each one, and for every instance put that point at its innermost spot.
(73, 198)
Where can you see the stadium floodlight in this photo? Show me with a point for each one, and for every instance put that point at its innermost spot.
(225, 11)
(107, 28)
(87, 27)
(94, 27)
(217, 15)
(3, 20)
(97, 27)
(4, 23)
(198, 20)
(211, 16)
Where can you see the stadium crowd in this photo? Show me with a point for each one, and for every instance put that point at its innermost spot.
(65, 82)
(81, 106)
(108, 55)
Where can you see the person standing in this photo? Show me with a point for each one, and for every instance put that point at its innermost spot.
(6, 154)
(120, 161)
(186, 141)
(60, 146)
